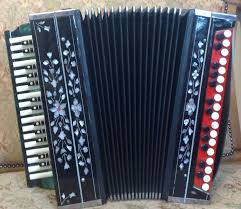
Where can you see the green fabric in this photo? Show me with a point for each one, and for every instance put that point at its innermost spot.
(25, 29)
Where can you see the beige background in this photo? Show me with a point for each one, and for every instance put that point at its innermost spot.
(14, 13)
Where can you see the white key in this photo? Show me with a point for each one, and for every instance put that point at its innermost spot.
(20, 47)
(210, 152)
(24, 72)
(213, 133)
(227, 33)
(38, 151)
(212, 142)
(30, 112)
(220, 79)
(222, 70)
(224, 52)
(25, 80)
(20, 39)
(226, 42)
(215, 125)
(223, 61)
(29, 104)
(32, 128)
(217, 97)
(32, 160)
(29, 95)
(33, 136)
(32, 119)
(36, 168)
(215, 116)
(208, 170)
(205, 187)
(206, 178)
(219, 88)
(41, 175)
(210, 161)
(27, 88)
(22, 55)
(34, 144)
(24, 63)
(217, 107)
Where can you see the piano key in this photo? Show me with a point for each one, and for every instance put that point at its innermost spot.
(32, 119)
(28, 95)
(36, 168)
(41, 175)
(30, 112)
(34, 136)
(29, 104)
(22, 55)
(27, 88)
(33, 128)
(37, 151)
(20, 47)
(24, 72)
(33, 144)
(20, 39)
(26, 80)
(37, 159)
(24, 63)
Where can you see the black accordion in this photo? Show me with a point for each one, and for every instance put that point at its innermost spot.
(122, 104)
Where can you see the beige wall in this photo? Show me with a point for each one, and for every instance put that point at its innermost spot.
(14, 13)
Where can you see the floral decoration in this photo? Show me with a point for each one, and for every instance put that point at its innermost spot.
(65, 198)
(56, 98)
(42, 27)
(78, 119)
(191, 105)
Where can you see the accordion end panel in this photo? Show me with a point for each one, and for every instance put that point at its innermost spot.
(205, 110)
(57, 38)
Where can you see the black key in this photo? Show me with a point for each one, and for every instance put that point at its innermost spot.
(214, 75)
(218, 46)
(206, 128)
(200, 174)
(209, 111)
(215, 65)
(212, 83)
(220, 36)
(201, 164)
(210, 101)
(204, 147)
(205, 138)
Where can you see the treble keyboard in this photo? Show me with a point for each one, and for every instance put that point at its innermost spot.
(29, 110)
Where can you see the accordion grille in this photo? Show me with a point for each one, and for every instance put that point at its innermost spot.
(133, 58)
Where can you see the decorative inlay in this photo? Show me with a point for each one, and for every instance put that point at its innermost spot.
(191, 104)
(57, 101)
(40, 26)
(65, 197)
(74, 92)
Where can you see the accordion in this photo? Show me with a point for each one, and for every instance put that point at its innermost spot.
(122, 104)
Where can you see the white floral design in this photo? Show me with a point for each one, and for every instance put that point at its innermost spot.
(65, 198)
(56, 99)
(191, 105)
(58, 109)
(79, 127)
(42, 27)
(76, 107)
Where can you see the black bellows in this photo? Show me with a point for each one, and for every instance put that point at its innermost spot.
(133, 59)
